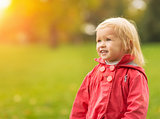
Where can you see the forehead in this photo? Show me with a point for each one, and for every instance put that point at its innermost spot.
(107, 31)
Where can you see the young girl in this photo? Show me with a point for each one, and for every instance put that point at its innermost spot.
(117, 87)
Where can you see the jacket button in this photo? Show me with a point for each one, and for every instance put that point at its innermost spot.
(112, 68)
(102, 69)
(109, 78)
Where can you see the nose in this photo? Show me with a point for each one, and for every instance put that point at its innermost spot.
(103, 44)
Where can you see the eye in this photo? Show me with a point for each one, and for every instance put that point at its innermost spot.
(98, 40)
(108, 39)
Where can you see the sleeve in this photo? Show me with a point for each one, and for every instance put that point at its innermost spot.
(138, 98)
(80, 105)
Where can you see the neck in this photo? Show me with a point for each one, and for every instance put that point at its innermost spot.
(112, 63)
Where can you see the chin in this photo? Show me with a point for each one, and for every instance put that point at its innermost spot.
(104, 58)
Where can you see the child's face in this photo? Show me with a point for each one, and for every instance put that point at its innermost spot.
(109, 47)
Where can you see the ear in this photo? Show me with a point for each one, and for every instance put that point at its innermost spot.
(131, 44)
(129, 47)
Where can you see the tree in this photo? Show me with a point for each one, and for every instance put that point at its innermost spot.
(151, 22)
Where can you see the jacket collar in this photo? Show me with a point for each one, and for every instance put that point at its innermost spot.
(124, 60)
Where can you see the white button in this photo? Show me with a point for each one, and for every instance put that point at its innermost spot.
(102, 69)
(109, 78)
(112, 68)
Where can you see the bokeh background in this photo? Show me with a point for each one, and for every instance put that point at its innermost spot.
(48, 46)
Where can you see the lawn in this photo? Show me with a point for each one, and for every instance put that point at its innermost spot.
(38, 82)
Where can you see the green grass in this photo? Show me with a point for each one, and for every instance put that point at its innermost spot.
(37, 82)
(151, 53)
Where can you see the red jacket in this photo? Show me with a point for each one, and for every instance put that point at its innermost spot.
(113, 92)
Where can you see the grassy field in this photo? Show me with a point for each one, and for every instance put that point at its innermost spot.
(37, 82)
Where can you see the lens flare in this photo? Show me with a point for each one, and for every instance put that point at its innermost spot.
(4, 4)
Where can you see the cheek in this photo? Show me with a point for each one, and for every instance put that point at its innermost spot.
(109, 45)
(114, 47)
(119, 49)
(97, 46)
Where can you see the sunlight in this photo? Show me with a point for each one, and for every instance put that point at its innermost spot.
(139, 4)
(4, 4)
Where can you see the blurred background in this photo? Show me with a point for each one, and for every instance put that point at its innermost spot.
(48, 46)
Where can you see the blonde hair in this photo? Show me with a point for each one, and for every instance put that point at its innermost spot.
(126, 31)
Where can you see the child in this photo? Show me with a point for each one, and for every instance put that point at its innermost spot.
(117, 87)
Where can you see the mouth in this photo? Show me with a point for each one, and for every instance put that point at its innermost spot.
(103, 51)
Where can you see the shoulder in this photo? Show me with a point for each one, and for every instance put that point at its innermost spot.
(134, 70)
(136, 74)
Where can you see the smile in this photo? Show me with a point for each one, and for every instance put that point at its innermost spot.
(103, 51)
